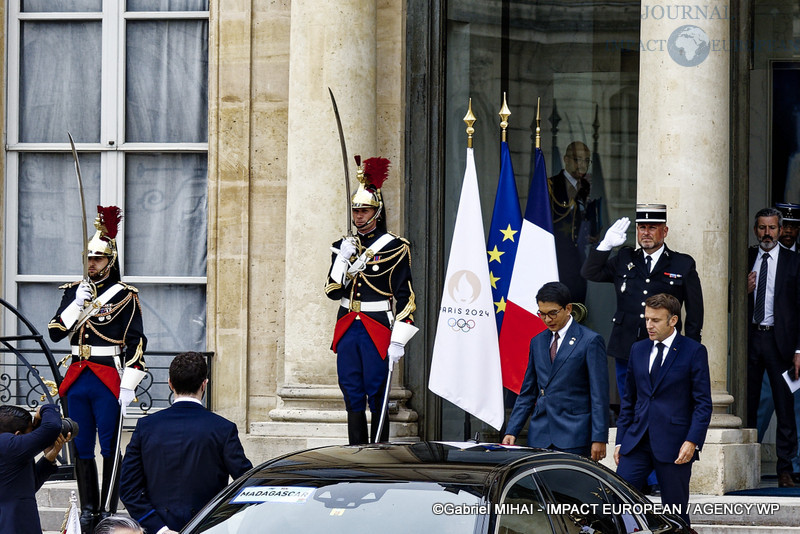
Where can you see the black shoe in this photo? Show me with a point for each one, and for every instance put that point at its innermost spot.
(785, 480)
(654, 490)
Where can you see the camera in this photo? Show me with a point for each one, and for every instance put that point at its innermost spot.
(68, 425)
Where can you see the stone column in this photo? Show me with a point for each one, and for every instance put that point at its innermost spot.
(334, 45)
(683, 162)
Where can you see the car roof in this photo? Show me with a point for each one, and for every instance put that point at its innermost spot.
(466, 463)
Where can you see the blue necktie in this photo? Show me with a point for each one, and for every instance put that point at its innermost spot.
(761, 291)
(648, 261)
(656, 368)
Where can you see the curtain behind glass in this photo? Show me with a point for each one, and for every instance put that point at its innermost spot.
(174, 316)
(167, 5)
(49, 219)
(167, 82)
(60, 6)
(60, 81)
(166, 213)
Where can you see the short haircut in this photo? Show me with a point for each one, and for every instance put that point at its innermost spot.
(187, 372)
(574, 147)
(663, 300)
(554, 292)
(14, 419)
(769, 212)
(110, 524)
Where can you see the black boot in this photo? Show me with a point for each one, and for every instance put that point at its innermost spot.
(86, 476)
(357, 428)
(376, 419)
(109, 485)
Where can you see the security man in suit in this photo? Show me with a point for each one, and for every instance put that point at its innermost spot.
(565, 385)
(774, 333)
(103, 319)
(370, 276)
(636, 274)
(791, 225)
(179, 458)
(570, 207)
(666, 410)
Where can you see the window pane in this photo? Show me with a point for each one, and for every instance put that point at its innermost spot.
(174, 316)
(526, 510)
(50, 240)
(167, 81)
(60, 81)
(167, 5)
(166, 211)
(62, 6)
(38, 304)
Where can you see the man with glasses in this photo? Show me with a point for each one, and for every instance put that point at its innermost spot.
(565, 385)
(571, 210)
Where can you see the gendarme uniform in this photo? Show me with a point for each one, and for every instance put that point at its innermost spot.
(108, 344)
(674, 273)
(376, 305)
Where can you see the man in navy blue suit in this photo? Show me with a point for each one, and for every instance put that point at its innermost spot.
(179, 458)
(20, 477)
(565, 384)
(667, 405)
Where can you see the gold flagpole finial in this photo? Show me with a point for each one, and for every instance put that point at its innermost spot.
(538, 121)
(505, 113)
(470, 119)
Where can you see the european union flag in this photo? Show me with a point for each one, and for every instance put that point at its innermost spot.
(503, 234)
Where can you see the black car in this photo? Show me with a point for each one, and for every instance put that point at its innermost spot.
(436, 487)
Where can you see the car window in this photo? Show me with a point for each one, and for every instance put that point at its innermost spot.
(522, 509)
(345, 507)
(585, 503)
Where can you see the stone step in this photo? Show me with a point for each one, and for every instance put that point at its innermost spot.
(53, 502)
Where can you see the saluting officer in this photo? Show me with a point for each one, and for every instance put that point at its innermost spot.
(103, 319)
(638, 274)
(370, 276)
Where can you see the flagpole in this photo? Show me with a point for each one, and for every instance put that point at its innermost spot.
(469, 119)
(504, 113)
(538, 122)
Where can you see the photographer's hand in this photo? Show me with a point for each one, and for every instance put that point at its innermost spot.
(51, 453)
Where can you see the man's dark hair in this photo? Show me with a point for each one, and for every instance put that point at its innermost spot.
(554, 292)
(663, 300)
(14, 419)
(187, 372)
(769, 212)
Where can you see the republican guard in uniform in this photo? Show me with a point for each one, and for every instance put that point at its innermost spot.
(370, 276)
(103, 319)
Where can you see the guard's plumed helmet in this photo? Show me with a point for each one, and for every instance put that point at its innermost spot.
(104, 243)
(370, 177)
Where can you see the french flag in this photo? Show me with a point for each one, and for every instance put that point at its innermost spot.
(534, 266)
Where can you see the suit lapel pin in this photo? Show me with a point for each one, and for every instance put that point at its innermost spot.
(630, 266)
(572, 341)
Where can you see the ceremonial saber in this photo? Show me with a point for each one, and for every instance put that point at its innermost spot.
(344, 162)
(83, 209)
(385, 402)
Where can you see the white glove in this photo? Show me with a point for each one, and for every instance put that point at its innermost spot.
(348, 248)
(126, 396)
(615, 235)
(395, 352)
(83, 293)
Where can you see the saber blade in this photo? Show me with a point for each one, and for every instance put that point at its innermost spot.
(83, 209)
(344, 162)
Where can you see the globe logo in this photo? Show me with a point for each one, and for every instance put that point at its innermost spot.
(688, 46)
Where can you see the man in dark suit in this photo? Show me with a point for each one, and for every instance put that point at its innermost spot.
(565, 385)
(667, 405)
(179, 458)
(774, 333)
(22, 438)
(572, 222)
